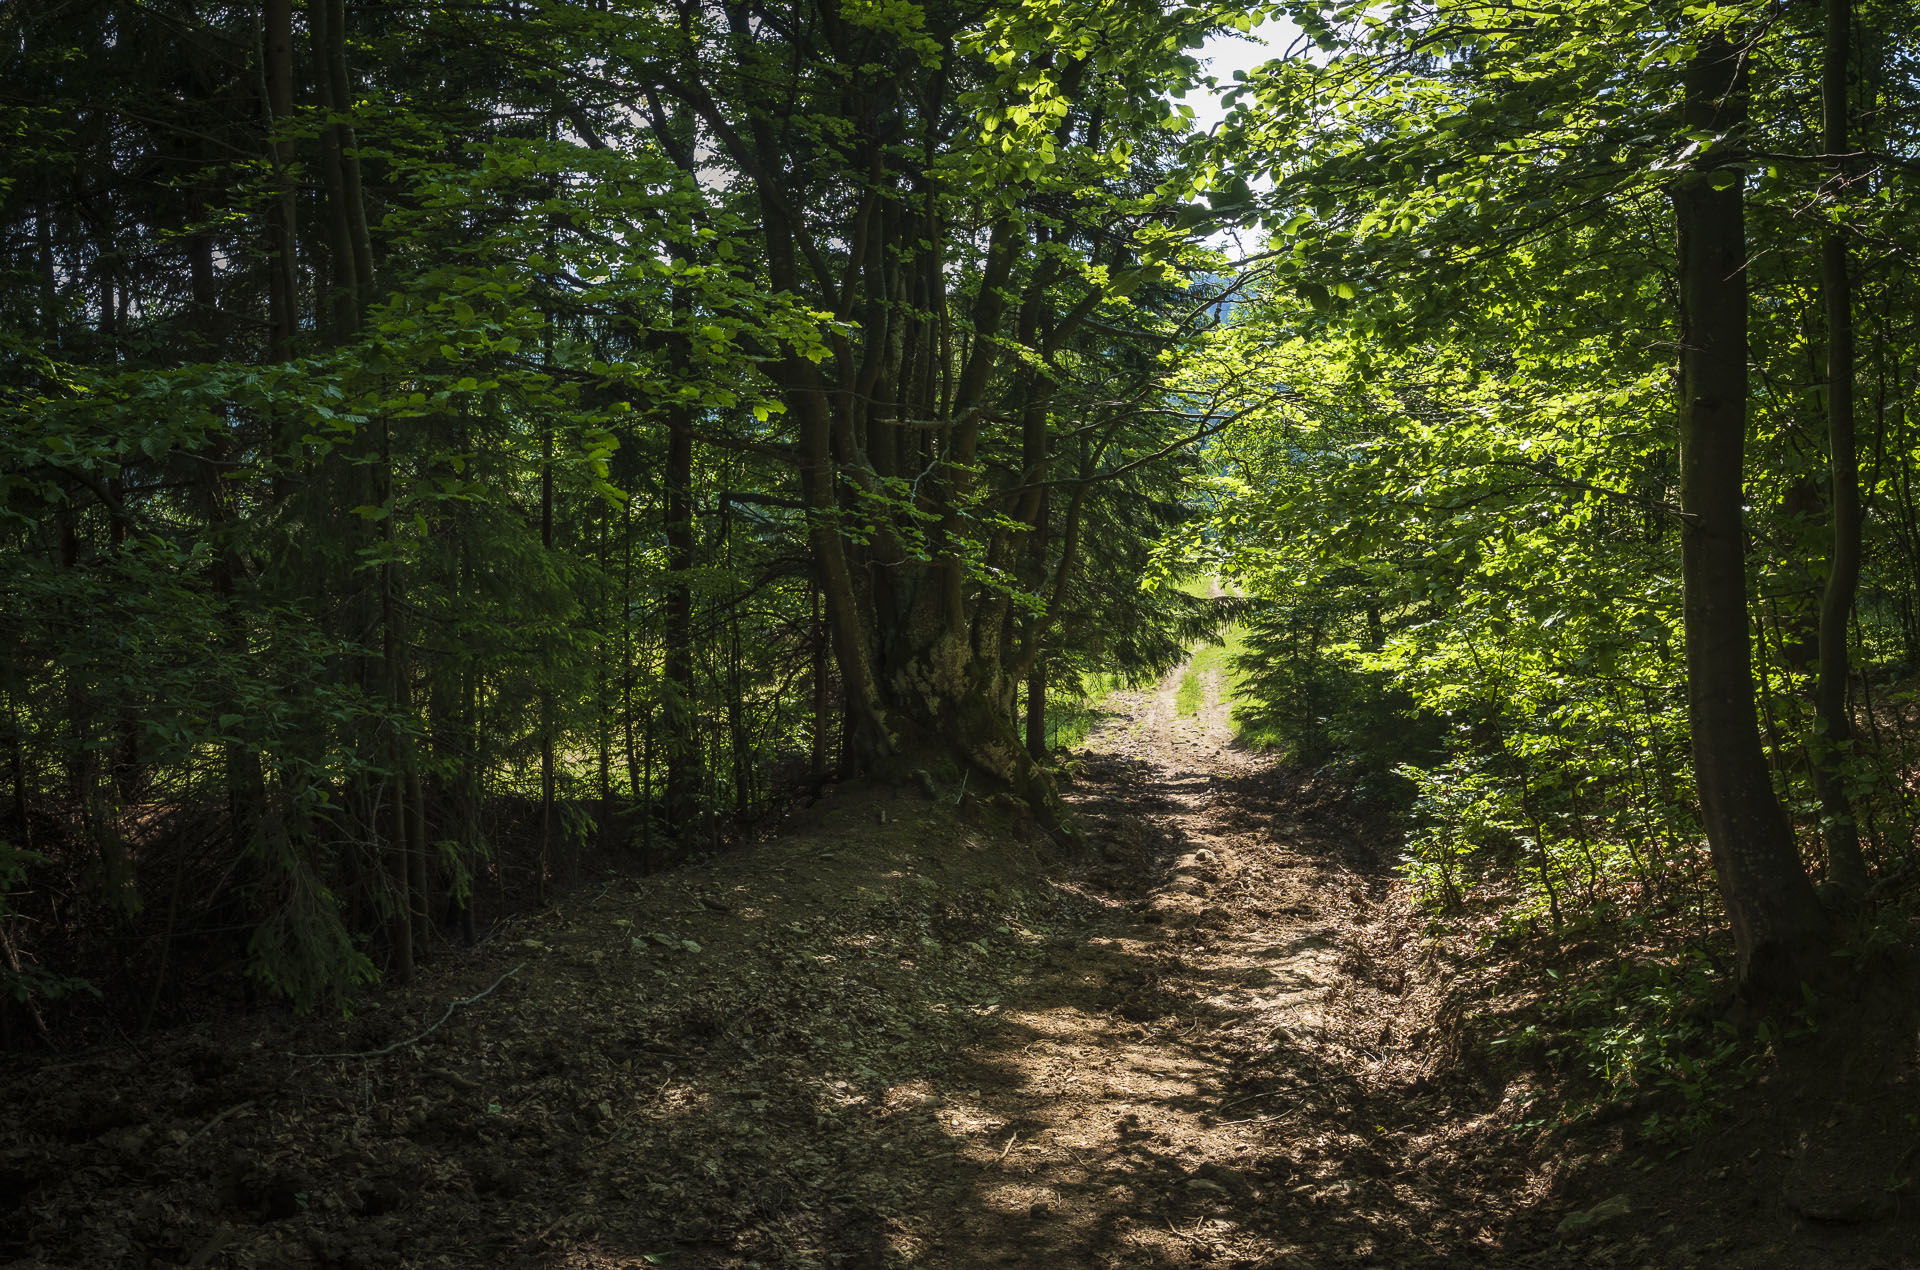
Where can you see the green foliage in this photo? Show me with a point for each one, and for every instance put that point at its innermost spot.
(476, 474)
(1074, 712)
(1308, 688)
(24, 981)
(1643, 1034)
(1451, 483)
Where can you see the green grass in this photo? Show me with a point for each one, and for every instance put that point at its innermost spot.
(1201, 585)
(1072, 714)
(1191, 694)
(1209, 659)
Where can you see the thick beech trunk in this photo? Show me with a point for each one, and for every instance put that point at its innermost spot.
(1778, 924)
(909, 556)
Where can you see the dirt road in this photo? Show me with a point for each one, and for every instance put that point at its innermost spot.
(904, 1032)
(1215, 1073)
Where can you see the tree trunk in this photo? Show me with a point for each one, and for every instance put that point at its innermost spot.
(350, 247)
(684, 776)
(1833, 724)
(340, 99)
(49, 275)
(404, 848)
(17, 756)
(419, 853)
(818, 762)
(546, 690)
(1037, 708)
(628, 653)
(1778, 925)
(283, 284)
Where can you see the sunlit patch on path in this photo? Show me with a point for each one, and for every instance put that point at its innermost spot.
(1171, 1088)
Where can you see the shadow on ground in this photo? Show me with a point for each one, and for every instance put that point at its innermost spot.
(907, 1035)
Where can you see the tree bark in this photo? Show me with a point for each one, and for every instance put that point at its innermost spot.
(351, 249)
(684, 776)
(283, 287)
(405, 844)
(1778, 925)
(1037, 707)
(818, 763)
(1833, 724)
(547, 808)
(339, 91)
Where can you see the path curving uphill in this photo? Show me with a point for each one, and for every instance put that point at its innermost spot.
(905, 1032)
(1226, 1067)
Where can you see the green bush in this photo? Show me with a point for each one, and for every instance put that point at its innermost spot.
(1303, 687)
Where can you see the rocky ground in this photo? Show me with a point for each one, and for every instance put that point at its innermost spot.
(909, 1032)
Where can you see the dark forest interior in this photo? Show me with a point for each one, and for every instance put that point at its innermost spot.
(678, 622)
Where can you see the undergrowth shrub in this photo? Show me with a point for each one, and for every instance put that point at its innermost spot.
(1639, 1036)
(1306, 687)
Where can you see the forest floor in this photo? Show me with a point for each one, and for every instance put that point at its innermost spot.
(910, 1032)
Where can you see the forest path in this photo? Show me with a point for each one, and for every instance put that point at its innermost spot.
(906, 1031)
(1213, 1073)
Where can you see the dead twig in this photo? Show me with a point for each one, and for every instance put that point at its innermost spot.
(1176, 1231)
(210, 1125)
(421, 1036)
(1267, 1093)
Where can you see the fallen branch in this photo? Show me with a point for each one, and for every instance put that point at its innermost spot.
(411, 1040)
(210, 1125)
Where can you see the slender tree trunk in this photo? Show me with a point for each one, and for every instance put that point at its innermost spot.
(1833, 724)
(1777, 923)
(738, 741)
(419, 853)
(340, 299)
(546, 692)
(48, 272)
(1037, 706)
(684, 777)
(89, 778)
(341, 100)
(351, 249)
(283, 284)
(646, 787)
(245, 776)
(17, 756)
(819, 763)
(628, 655)
(403, 848)
(603, 691)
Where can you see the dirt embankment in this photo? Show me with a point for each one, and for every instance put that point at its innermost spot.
(908, 1034)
